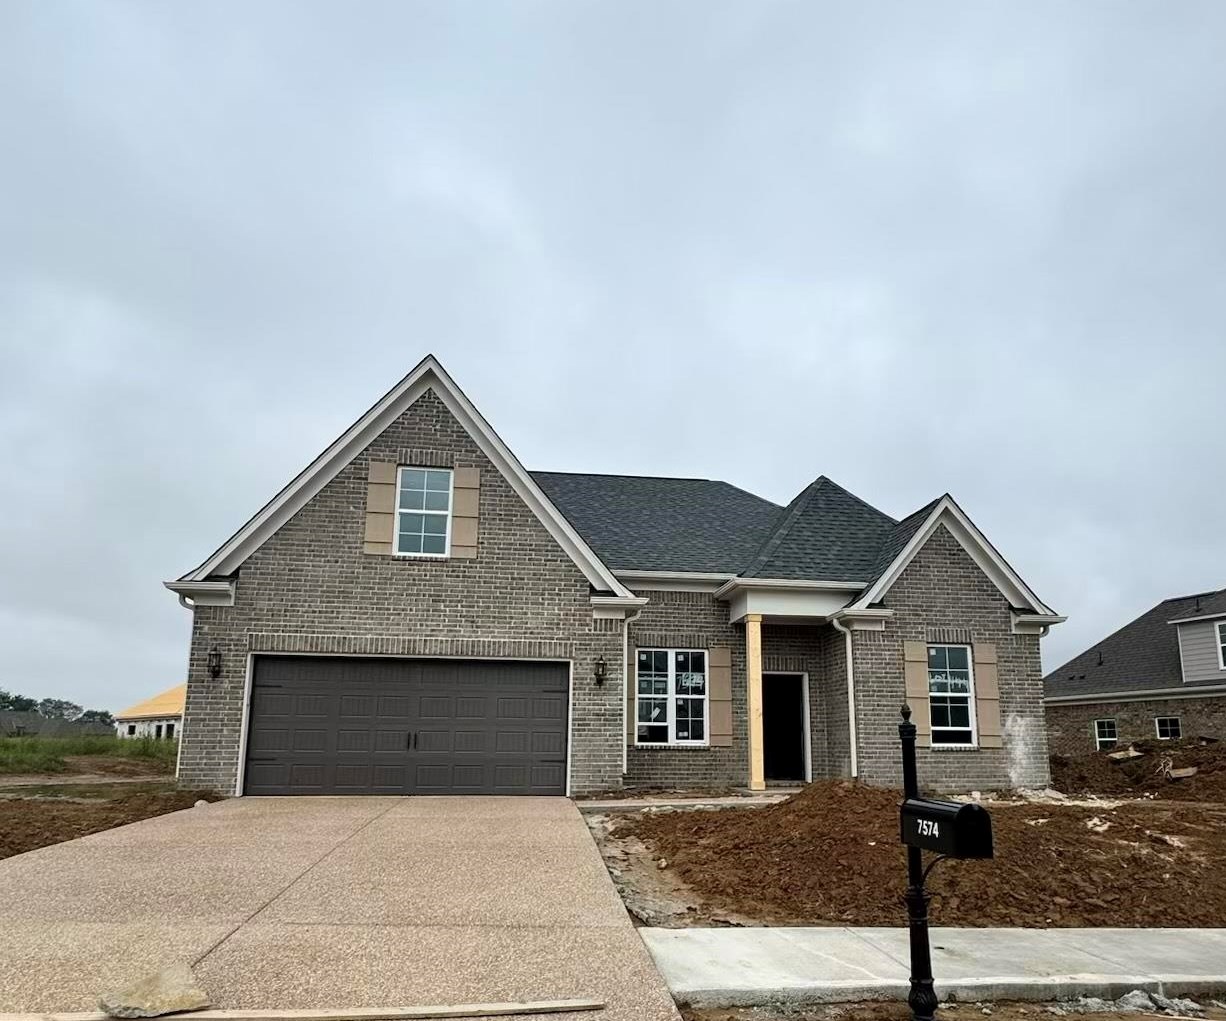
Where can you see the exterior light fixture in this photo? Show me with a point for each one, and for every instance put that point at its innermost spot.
(601, 672)
(214, 662)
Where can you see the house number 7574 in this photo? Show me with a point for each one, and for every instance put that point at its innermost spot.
(928, 827)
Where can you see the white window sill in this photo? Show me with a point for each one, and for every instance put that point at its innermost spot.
(679, 744)
(954, 747)
(422, 556)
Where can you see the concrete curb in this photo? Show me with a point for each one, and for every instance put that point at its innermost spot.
(749, 967)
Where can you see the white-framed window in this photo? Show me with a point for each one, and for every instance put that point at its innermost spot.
(671, 697)
(1105, 734)
(423, 512)
(1168, 728)
(1221, 644)
(951, 695)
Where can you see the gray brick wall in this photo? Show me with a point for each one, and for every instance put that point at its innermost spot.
(943, 594)
(311, 588)
(1070, 727)
(691, 620)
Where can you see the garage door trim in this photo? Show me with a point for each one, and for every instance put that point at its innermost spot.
(249, 679)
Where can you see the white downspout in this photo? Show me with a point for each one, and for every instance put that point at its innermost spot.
(626, 622)
(851, 699)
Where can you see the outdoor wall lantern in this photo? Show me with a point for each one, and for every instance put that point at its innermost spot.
(214, 662)
(602, 671)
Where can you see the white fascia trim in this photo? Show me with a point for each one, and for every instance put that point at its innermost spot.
(204, 593)
(734, 584)
(872, 619)
(428, 375)
(1149, 694)
(673, 581)
(617, 607)
(1035, 623)
(975, 543)
(1200, 616)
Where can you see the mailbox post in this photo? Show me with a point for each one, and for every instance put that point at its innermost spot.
(951, 829)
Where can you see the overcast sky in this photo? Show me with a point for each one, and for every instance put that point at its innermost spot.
(971, 247)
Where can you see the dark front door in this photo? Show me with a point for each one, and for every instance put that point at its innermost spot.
(783, 726)
(330, 725)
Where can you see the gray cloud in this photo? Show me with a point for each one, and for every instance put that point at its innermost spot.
(918, 248)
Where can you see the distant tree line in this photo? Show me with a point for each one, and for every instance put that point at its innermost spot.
(53, 708)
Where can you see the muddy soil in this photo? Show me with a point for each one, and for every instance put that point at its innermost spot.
(830, 855)
(1147, 774)
(948, 1012)
(27, 823)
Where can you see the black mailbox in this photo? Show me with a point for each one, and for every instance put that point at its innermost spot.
(947, 827)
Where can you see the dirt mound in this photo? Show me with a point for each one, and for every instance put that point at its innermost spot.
(831, 855)
(28, 823)
(1097, 773)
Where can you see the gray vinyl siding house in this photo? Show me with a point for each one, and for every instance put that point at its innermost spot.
(416, 613)
(1162, 676)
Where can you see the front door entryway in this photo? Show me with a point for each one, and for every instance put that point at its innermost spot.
(784, 725)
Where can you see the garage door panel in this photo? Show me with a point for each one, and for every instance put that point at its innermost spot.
(324, 725)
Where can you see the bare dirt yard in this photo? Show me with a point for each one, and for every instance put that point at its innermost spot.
(949, 1011)
(1146, 769)
(830, 855)
(34, 816)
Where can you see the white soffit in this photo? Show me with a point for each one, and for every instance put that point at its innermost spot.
(982, 552)
(429, 374)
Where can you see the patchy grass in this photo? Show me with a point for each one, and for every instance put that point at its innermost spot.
(70, 754)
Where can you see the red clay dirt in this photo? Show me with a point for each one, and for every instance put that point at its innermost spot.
(29, 823)
(830, 855)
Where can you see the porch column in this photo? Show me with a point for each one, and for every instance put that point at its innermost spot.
(753, 671)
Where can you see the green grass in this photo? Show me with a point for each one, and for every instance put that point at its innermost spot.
(47, 754)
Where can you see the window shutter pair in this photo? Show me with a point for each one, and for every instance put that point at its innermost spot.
(380, 533)
(987, 692)
(719, 695)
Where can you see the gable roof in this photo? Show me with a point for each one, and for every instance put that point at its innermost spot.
(825, 534)
(913, 532)
(429, 374)
(1141, 655)
(663, 524)
(166, 703)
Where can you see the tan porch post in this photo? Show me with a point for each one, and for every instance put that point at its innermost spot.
(753, 670)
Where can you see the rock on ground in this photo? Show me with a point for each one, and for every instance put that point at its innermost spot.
(168, 991)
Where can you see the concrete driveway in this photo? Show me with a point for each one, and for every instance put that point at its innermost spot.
(330, 902)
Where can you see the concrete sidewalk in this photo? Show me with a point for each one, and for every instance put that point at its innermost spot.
(757, 966)
(330, 902)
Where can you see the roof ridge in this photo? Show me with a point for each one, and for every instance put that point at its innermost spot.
(859, 499)
(789, 517)
(625, 475)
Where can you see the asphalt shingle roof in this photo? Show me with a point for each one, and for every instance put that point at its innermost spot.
(664, 524)
(825, 534)
(1143, 654)
(661, 524)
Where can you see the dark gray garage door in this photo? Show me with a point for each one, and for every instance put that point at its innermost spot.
(321, 725)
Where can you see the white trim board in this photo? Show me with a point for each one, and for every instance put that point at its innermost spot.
(429, 374)
(982, 552)
(1145, 695)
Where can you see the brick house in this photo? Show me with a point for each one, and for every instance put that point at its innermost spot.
(417, 613)
(1162, 676)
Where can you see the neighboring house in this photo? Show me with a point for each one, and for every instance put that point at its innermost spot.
(160, 716)
(417, 613)
(31, 724)
(1162, 676)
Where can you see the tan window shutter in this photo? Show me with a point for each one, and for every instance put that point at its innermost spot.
(465, 508)
(631, 721)
(987, 695)
(380, 508)
(719, 695)
(915, 675)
